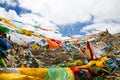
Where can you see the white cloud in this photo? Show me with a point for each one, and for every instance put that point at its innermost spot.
(107, 9)
(112, 28)
(11, 14)
(71, 11)
(59, 11)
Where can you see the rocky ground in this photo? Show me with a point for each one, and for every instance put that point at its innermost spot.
(55, 57)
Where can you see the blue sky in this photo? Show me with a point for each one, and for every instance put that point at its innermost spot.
(71, 17)
(73, 29)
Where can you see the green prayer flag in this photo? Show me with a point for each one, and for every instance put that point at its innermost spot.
(35, 46)
(57, 74)
(36, 27)
(4, 29)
